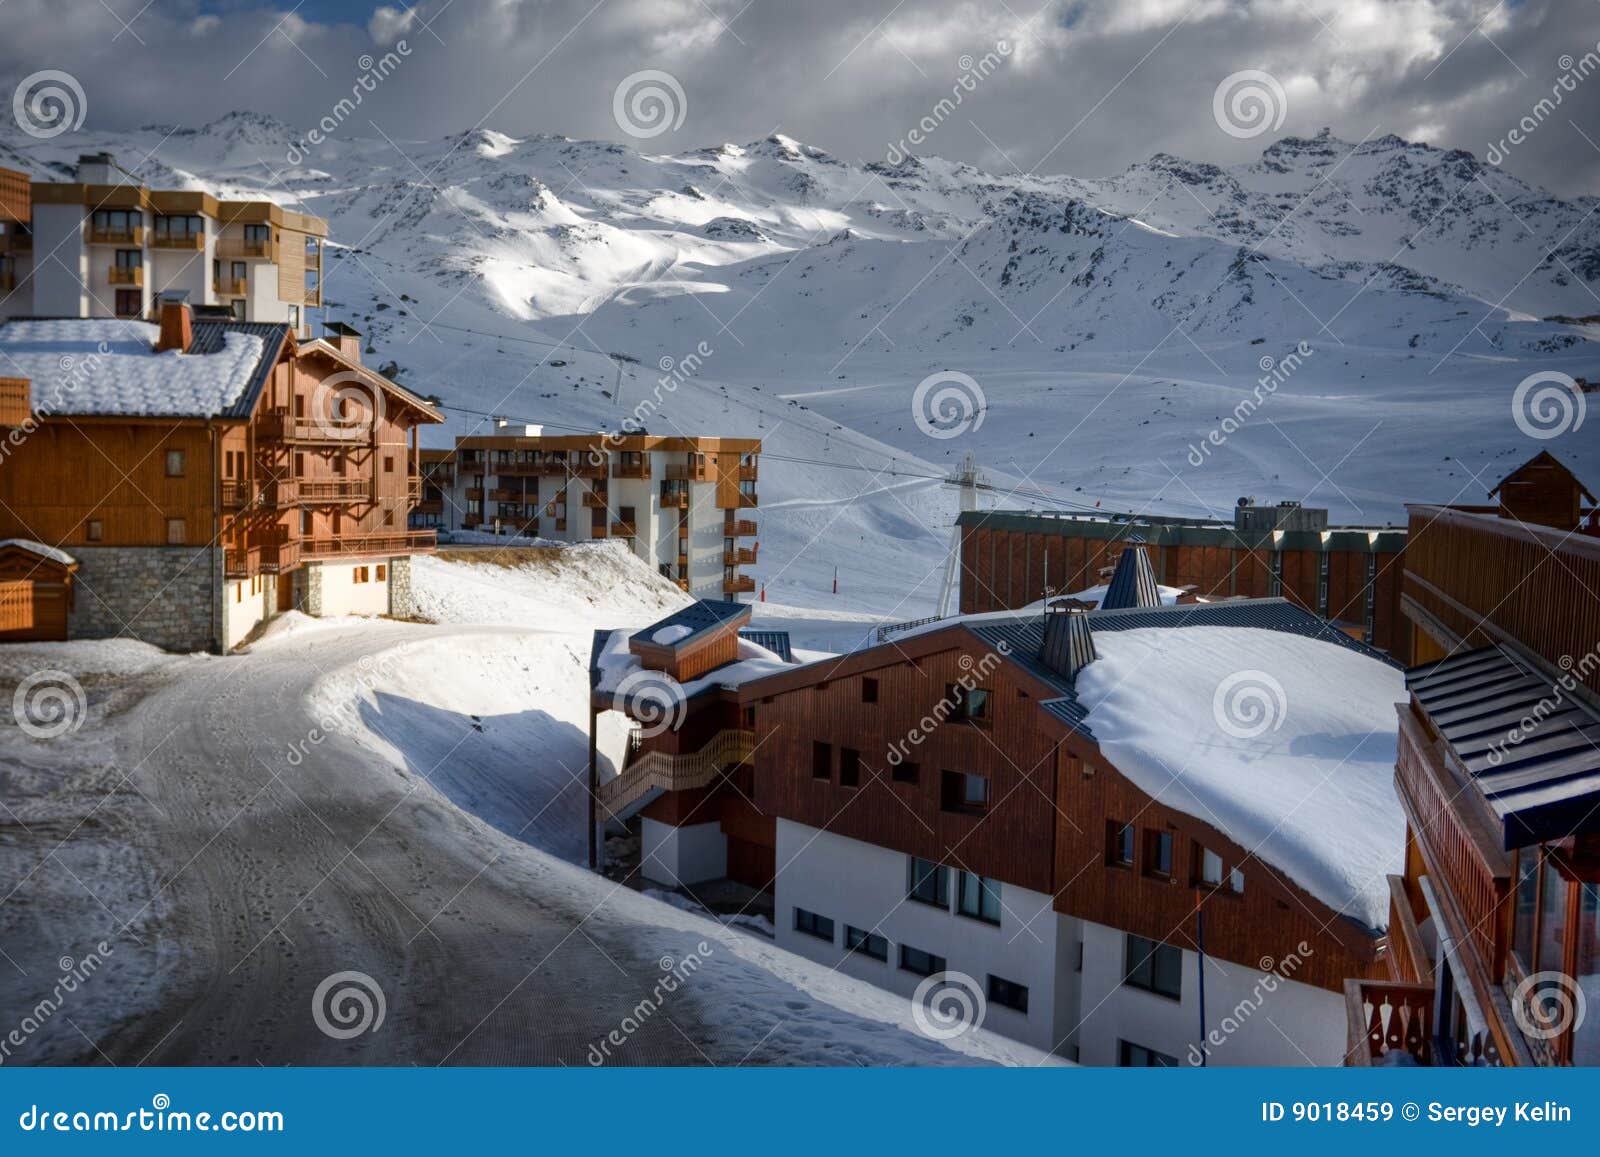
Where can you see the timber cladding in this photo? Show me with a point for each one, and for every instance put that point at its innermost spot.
(1346, 574)
(1054, 801)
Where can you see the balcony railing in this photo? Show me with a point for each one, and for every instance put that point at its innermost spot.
(130, 236)
(675, 500)
(514, 496)
(190, 241)
(282, 425)
(691, 473)
(413, 488)
(740, 557)
(738, 584)
(242, 563)
(1407, 955)
(430, 506)
(518, 469)
(125, 275)
(334, 490)
(1386, 1021)
(356, 545)
(585, 468)
(623, 530)
(651, 770)
(640, 469)
(228, 286)
(747, 499)
(595, 499)
(16, 401)
(238, 248)
(738, 528)
(474, 494)
(749, 473)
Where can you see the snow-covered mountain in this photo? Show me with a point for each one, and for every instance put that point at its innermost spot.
(1110, 324)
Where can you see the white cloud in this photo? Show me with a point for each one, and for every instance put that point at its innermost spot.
(387, 24)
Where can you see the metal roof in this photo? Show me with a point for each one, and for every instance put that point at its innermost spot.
(1133, 583)
(1163, 530)
(700, 617)
(1531, 749)
(208, 336)
(775, 641)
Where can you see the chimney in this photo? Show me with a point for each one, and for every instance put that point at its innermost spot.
(343, 338)
(101, 169)
(177, 322)
(1068, 643)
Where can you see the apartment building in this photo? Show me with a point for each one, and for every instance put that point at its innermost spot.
(105, 245)
(681, 504)
(183, 482)
(1349, 575)
(1494, 952)
(940, 809)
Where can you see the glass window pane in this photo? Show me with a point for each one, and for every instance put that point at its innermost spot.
(1586, 1034)
(1210, 867)
(1553, 921)
(1527, 906)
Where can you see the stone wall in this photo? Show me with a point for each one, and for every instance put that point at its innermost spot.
(400, 604)
(308, 589)
(167, 596)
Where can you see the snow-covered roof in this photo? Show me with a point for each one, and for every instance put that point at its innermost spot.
(102, 366)
(54, 554)
(1284, 743)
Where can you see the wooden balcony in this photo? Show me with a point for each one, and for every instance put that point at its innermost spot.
(747, 500)
(238, 249)
(738, 584)
(472, 521)
(551, 469)
(587, 468)
(512, 496)
(518, 469)
(738, 528)
(1484, 578)
(595, 499)
(125, 275)
(286, 427)
(133, 236)
(413, 488)
(652, 770)
(640, 469)
(16, 401)
(16, 605)
(16, 241)
(331, 491)
(474, 494)
(1407, 955)
(675, 500)
(623, 530)
(430, 506)
(1384, 1017)
(683, 532)
(687, 473)
(749, 473)
(193, 242)
(280, 558)
(228, 286)
(359, 545)
(242, 563)
(740, 557)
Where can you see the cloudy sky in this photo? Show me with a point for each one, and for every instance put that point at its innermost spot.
(1076, 86)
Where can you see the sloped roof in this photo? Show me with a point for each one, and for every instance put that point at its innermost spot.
(51, 553)
(693, 622)
(1532, 750)
(775, 641)
(1543, 458)
(1133, 583)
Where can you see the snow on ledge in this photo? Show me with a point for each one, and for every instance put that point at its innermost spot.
(1286, 744)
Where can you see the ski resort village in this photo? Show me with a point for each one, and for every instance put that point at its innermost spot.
(520, 600)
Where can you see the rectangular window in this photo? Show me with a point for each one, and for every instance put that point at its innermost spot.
(866, 943)
(1158, 854)
(360, 574)
(129, 302)
(96, 530)
(905, 772)
(1153, 966)
(383, 572)
(930, 883)
(175, 463)
(869, 690)
(821, 761)
(1209, 869)
(971, 705)
(1120, 843)
(1008, 994)
(177, 532)
(963, 792)
(1526, 916)
(1236, 881)
(1552, 919)
(920, 962)
(813, 925)
(1132, 1056)
(849, 767)
(388, 464)
(978, 897)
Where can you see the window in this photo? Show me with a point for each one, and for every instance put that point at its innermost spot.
(1236, 881)
(1527, 910)
(1154, 967)
(813, 925)
(849, 767)
(1586, 973)
(821, 761)
(930, 883)
(970, 704)
(920, 962)
(1008, 994)
(866, 943)
(869, 690)
(963, 792)
(175, 463)
(129, 303)
(383, 572)
(1209, 869)
(177, 532)
(978, 897)
(96, 530)
(1158, 854)
(388, 463)
(129, 259)
(359, 574)
(905, 772)
(1552, 920)
(1119, 843)
(1132, 1056)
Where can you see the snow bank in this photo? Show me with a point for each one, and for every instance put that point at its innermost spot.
(1287, 744)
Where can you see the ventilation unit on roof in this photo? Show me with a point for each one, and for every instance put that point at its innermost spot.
(1068, 643)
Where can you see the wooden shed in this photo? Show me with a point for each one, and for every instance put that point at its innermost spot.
(1544, 492)
(35, 591)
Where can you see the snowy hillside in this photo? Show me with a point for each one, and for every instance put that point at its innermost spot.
(1107, 326)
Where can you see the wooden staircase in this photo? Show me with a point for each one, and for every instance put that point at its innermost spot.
(622, 796)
